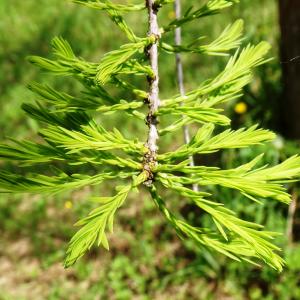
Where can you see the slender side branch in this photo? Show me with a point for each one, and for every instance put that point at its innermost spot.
(291, 218)
(179, 69)
(150, 159)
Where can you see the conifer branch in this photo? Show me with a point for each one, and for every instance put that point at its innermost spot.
(72, 137)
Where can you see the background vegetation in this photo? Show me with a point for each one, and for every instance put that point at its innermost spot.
(147, 260)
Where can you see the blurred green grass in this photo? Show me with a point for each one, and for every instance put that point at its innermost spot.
(147, 260)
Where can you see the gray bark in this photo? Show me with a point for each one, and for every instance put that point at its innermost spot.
(180, 78)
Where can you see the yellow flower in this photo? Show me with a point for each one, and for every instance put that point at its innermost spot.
(171, 15)
(68, 204)
(241, 108)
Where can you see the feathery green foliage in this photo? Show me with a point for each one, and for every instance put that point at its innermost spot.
(72, 135)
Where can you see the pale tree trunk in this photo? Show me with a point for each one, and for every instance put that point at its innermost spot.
(290, 59)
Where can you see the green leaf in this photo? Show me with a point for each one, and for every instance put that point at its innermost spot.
(112, 62)
(198, 114)
(210, 8)
(90, 137)
(228, 83)
(229, 39)
(244, 240)
(203, 142)
(94, 225)
(108, 5)
(11, 183)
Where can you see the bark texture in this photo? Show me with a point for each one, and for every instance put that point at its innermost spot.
(153, 98)
(290, 57)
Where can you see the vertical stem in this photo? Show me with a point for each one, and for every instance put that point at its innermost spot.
(291, 218)
(150, 160)
(180, 78)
